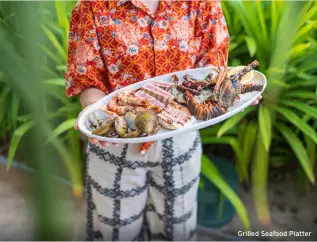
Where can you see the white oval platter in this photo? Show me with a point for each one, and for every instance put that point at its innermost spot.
(245, 100)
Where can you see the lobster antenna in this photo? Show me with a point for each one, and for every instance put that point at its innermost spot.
(244, 71)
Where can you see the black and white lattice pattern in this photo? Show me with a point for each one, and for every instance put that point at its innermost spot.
(133, 198)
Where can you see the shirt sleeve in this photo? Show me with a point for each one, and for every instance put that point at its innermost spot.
(85, 66)
(212, 27)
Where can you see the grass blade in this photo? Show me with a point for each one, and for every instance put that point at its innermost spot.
(15, 140)
(299, 150)
(59, 48)
(242, 169)
(305, 80)
(55, 82)
(303, 32)
(297, 122)
(230, 123)
(299, 50)
(212, 173)
(15, 105)
(265, 125)
(300, 94)
(259, 181)
(248, 143)
(251, 44)
(312, 111)
(63, 127)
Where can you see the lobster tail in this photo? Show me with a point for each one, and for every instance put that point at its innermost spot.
(203, 111)
(251, 88)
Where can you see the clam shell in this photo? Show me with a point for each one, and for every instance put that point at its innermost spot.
(96, 119)
(105, 127)
(121, 126)
(130, 118)
(146, 122)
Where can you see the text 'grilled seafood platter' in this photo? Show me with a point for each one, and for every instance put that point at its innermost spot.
(172, 102)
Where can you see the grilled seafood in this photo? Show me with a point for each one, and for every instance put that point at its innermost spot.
(99, 122)
(158, 93)
(150, 99)
(121, 126)
(228, 89)
(126, 98)
(146, 122)
(205, 110)
(130, 117)
(224, 94)
(193, 83)
(174, 116)
(114, 106)
(195, 86)
(163, 85)
(144, 111)
(175, 79)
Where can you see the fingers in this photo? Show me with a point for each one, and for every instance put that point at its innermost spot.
(255, 102)
(76, 125)
(105, 144)
(93, 141)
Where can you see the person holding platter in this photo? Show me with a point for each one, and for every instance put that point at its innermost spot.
(113, 44)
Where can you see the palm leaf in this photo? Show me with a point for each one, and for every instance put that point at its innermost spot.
(59, 48)
(249, 137)
(303, 94)
(299, 150)
(212, 173)
(55, 82)
(300, 124)
(15, 140)
(236, 148)
(230, 123)
(63, 127)
(305, 80)
(312, 111)
(15, 105)
(265, 126)
(259, 181)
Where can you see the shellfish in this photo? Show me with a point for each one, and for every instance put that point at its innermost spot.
(99, 122)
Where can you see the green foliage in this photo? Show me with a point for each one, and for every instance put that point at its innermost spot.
(211, 172)
(16, 117)
(282, 36)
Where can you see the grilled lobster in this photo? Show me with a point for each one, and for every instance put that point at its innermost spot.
(225, 92)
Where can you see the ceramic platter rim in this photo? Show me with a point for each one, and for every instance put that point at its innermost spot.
(258, 78)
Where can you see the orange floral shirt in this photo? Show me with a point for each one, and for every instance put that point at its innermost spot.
(113, 44)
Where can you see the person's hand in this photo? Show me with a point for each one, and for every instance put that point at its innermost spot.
(256, 102)
(88, 97)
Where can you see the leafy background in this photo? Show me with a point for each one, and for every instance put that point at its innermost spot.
(36, 119)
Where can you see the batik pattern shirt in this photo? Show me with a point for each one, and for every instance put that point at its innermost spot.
(113, 44)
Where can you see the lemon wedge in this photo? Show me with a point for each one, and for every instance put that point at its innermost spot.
(246, 79)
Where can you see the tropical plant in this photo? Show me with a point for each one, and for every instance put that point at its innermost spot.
(282, 130)
(20, 61)
(15, 115)
(262, 30)
(63, 112)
